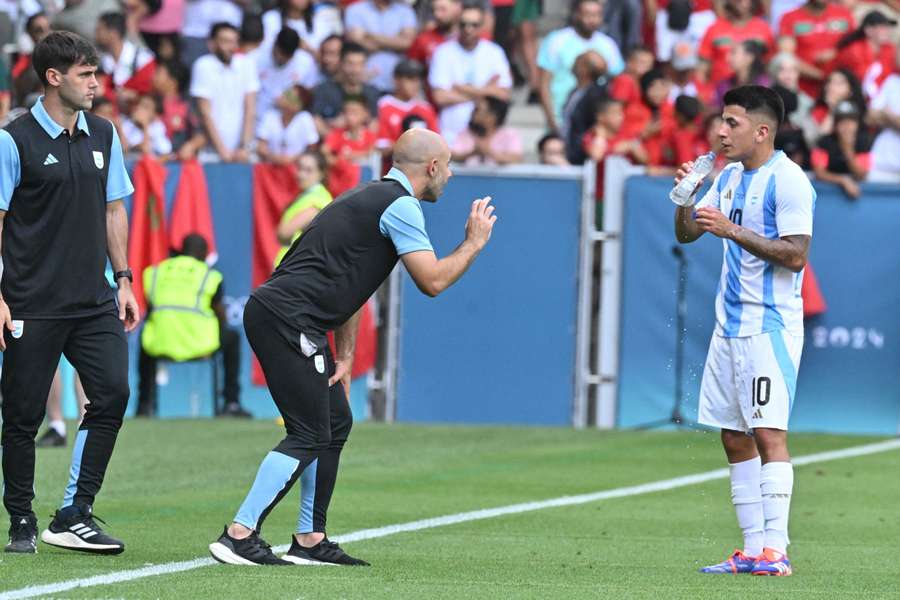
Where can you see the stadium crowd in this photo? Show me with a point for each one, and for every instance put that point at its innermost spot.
(268, 80)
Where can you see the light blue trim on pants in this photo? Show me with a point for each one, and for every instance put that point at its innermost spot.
(75, 469)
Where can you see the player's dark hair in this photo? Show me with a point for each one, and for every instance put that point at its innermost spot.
(287, 41)
(352, 48)
(61, 50)
(114, 21)
(221, 26)
(195, 245)
(548, 137)
(758, 99)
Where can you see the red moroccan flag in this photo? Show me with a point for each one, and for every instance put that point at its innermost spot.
(191, 212)
(147, 243)
(141, 81)
(813, 300)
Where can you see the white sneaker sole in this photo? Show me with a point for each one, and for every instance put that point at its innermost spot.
(306, 562)
(224, 555)
(70, 541)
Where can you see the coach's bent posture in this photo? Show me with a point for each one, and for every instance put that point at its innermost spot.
(62, 179)
(326, 276)
(761, 206)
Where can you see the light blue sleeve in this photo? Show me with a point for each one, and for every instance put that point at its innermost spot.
(545, 58)
(10, 168)
(118, 184)
(613, 56)
(404, 223)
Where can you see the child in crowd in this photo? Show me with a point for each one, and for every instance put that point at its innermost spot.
(406, 100)
(345, 146)
(626, 86)
(170, 79)
(144, 131)
(607, 136)
(652, 119)
(552, 150)
(286, 130)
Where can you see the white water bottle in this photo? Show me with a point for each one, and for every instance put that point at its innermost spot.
(683, 193)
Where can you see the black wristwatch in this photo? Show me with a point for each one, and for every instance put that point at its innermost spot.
(125, 273)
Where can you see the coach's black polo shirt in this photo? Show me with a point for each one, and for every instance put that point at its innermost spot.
(54, 186)
(347, 251)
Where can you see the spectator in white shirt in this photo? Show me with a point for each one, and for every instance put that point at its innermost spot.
(280, 67)
(313, 22)
(286, 130)
(224, 85)
(144, 131)
(121, 58)
(465, 70)
(386, 28)
(560, 49)
(884, 112)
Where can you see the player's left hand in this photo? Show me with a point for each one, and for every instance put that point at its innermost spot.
(713, 221)
(129, 312)
(342, 370)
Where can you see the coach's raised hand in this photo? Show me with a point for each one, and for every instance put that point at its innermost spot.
(481, 222)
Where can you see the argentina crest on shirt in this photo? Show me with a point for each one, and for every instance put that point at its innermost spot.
(98, 159)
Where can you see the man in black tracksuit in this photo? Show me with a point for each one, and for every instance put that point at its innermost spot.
(62, 180)
(326, 276)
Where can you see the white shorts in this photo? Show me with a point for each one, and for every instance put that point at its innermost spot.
(749, 382)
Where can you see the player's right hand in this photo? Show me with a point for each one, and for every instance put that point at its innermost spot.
(683, 170)
(6, 320)
(480, 222)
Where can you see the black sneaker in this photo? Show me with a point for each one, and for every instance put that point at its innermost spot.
(22, 535)
(51, 439)
(252, 550)
(325, 551)
(73, 528)
(233, 409)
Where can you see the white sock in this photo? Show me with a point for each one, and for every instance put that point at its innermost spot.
(59, 427)
(748, 503)
(776, 484)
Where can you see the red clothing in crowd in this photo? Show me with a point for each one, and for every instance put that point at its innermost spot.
(424, 44)
(698, 5)
(817, 37)
(869, 66)
(625, 88)
(722, 35)
(341, 142)
(687, 143)
(175, 115)
(392, 111)
(659, 150)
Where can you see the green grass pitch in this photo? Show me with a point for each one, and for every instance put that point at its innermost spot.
(172, 485)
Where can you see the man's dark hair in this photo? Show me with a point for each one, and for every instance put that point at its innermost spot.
(352, 48)
(499, 108)
(287, 41)
(177, 71)
(758, 99)
(252, 31)
(688, 107)
(195, 245)
(29, 24)
(61, 50)
(114, 21)
(548, 137)
(220, 26)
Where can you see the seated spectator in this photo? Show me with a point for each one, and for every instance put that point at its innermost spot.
(313, 197)
(465, 70)
(785, 73)
(130, 66)
(812, 33)
(286, 130)
(869, 52)
(178, 328)
(885, 113)
(347, 145)
(580, 110)
(406, 100)
(443, 27)
(682, 22)
(746, 63)
(684, 78)
(487, 141)
(330, 57)
(25, 81)
(280, 67)
(224, 85)
(840, 85)
(144, 131)
(552, 150)
(313, 22)
(842, 157)
(170, 80)
(607, 137)
(626, 86)
(559, 50)
(652, 119)
(386, 29)
(329, 96)
(736, 24)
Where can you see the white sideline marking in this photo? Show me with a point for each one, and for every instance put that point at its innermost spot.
(475, 515)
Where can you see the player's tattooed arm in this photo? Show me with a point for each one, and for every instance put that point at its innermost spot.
(789, 252)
